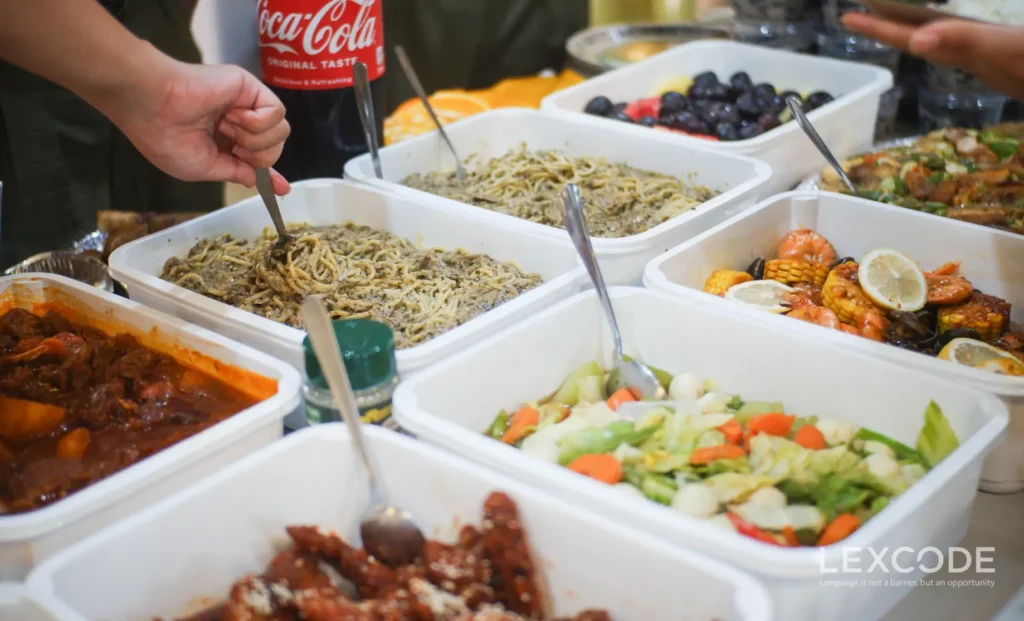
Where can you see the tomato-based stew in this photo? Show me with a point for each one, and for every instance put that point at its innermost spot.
(78, 405)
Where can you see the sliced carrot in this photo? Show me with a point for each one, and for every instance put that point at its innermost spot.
(521, 425)
(838, 529)
(620, 396)
(708, 454)
(732, 431)
(809, 437)
(790, 535)
(74, 444)
(749, 530)
(602, 467)
(773, 424)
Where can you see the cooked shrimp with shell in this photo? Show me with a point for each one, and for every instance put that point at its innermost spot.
(885, 296)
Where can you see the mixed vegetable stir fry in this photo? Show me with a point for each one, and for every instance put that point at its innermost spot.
(748, 466)
(966, 174)
(885, 296)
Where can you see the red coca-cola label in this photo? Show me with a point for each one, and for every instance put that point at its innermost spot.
(314, 44)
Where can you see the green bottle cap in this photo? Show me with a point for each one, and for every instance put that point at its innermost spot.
(368, 348)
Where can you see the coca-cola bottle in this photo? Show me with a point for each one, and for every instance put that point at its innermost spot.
(308, 49)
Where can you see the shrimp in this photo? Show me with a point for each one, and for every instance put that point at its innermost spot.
(807, 245)
(870, 325)
(819, 315)
(947, 286)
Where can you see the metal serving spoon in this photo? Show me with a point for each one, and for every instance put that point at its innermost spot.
(801, 120)
(631, 373)
(266, 190)
(414, 81)
(364, 101)
(389, 533)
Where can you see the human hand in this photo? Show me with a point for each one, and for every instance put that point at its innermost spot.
(205, 123)
(991, 52)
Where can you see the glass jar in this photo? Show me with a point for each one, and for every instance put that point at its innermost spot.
(368, 349)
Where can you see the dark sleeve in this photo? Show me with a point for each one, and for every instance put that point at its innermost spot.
(473, 44)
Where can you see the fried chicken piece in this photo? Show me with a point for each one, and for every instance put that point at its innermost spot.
(251, 599)
(327, 604)
(370, 577)
(508, 551)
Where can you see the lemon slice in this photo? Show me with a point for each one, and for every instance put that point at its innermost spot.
(892, 280)
(767, 295)
(981, 355)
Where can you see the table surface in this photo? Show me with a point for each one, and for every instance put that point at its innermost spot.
(996, 522)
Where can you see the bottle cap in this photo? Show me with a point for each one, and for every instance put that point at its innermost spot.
(368, 348)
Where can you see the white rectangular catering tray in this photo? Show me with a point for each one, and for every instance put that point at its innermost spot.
(138, 264)
(494, 133)
(991, 259)
(196, 544)
(18, 604)
(847, 124)
(451, 404)
(28, 538)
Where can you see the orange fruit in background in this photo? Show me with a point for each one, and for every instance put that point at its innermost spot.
(411, 119)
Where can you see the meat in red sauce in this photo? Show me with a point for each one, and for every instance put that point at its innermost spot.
(488, 575)
(77, 405)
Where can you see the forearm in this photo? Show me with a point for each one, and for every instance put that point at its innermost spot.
(79, 46)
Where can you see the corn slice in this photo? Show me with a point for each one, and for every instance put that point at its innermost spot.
(990, 323)
(790, 271)
(721, 281)
(847, 300)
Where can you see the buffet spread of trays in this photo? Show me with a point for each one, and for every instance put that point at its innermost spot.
(142, 469)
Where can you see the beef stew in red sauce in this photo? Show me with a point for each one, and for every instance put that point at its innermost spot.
(77, 405)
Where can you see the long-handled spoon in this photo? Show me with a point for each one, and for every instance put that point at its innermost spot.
(414, 81)
(266, 190)
(632, 374)
(801, 119)
(364, 101)
(389, 533)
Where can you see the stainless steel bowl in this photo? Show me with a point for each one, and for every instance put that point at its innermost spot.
(603, 48)
(80, 267)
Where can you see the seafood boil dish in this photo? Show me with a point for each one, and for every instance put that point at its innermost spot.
(488, 574)
(884, 296)
(748, 466)
(970, 175)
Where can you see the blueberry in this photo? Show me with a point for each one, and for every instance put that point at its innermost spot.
(700, 106)
(706, 128)
(687, 122)
(768, 121)
(729, 114)
(750, 131)
(817, 100)
(712, 113)
(746, 123)
(619, 107)
(673, 102)
(599, 105)
(741, 81)
(708, 78)
(748, 106)
(719, 92)
(775, 105)
(620, 116)
(647, 121)
(764, 90)
(727, 131)
(698, 92)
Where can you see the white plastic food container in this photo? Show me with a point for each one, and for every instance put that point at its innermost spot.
(847, 124)
(452, 403)
(138, 265)
(492, 134)
(18, 604)
(194, 546)
(991, 260)
(28, 538)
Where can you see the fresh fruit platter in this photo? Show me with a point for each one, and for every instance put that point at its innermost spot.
(705, 107)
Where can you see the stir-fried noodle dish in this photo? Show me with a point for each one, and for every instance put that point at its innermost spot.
(359, 271)
(618, 200)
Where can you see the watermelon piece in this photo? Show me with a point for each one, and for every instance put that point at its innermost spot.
(640, 108)
(679, 131)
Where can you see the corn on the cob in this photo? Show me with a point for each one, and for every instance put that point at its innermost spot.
(986, 314)
(789, 271)
(846, 299)
(721, 280)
